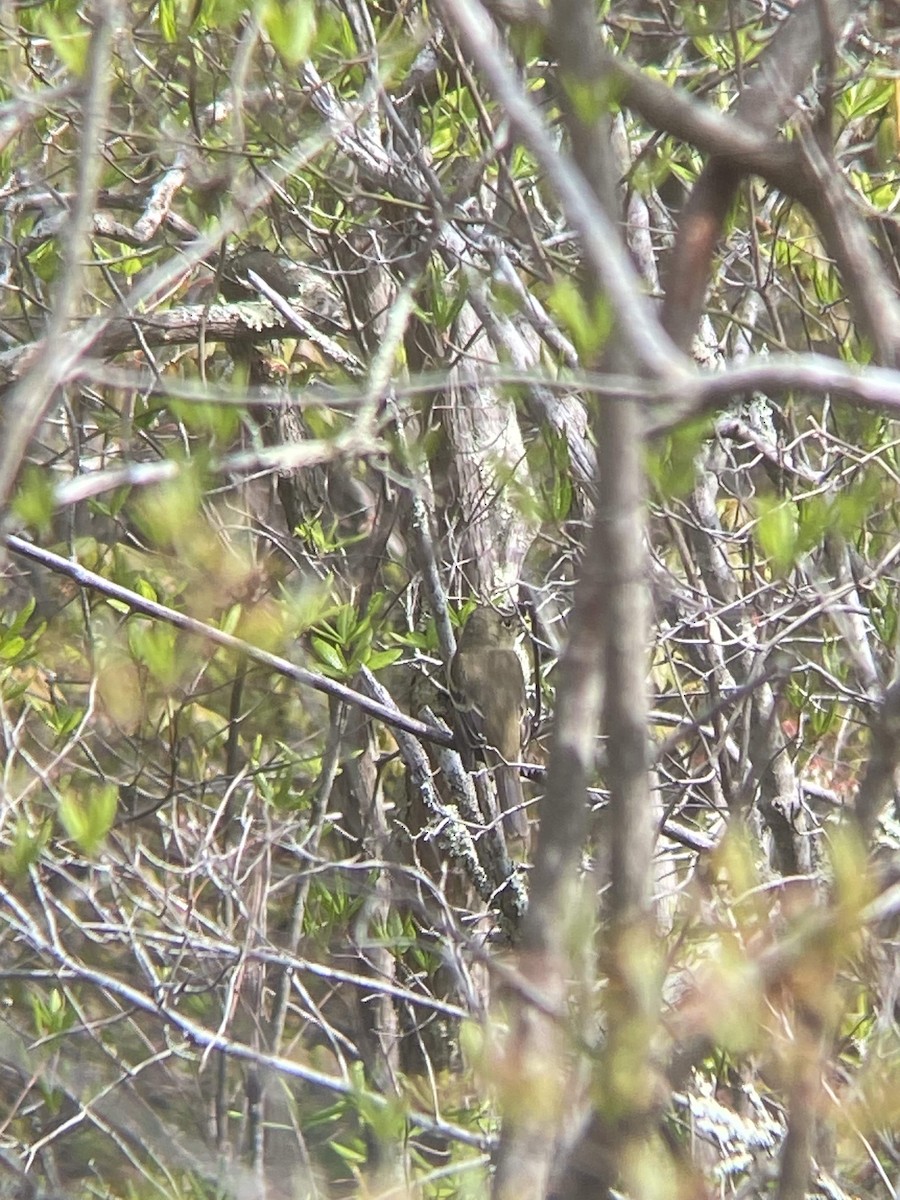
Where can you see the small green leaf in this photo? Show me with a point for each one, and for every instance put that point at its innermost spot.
(589, 324)
(777, 531)
(24, 850)
(51, 1015)
(168, 22)
(64, 721)
(34, 502)
(165, 512)
(70, 37)
(589, 99)
(231, 620)
(673, 465)
(291, 24)
(88, 819)
(12, 647)
(146, 589)
(19, 621)
(219, 420)
(154, 646)
(328, 654)
(379, 659)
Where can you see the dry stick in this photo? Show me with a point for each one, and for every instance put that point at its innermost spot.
(150, 608)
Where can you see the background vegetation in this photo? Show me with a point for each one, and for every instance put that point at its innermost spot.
(592, 309)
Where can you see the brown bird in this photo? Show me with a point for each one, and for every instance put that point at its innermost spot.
(236, 284)
(487, 686)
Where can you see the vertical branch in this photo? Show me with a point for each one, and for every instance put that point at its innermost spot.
(608, 630)
(30, 399)
(537, 1042)
(487, 450)
(616, 1135)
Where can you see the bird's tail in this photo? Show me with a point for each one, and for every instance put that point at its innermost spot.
(512, 800)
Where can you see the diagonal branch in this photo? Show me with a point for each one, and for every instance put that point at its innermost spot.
(150, 608)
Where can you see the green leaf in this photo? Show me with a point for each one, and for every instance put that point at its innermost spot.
(291, 24)
(165, 512)
(869, 96)
(673, 465)
(20, 620)
(221, 421)
(777, 531)
(52, 1015)
(69, 36)
(88, 819)
(15, 647)
(379, 659)
(64, 720)
(446, 301)
(354, 1155)
(145, 589)
(231, 619)
(25, 849)
(168, 21)
(153, 644)
(328, 654)
(12, 647)
(590, 99)
(588, 324)
(34, 502)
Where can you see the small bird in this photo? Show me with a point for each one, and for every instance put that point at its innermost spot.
(487, 686)
(303, 284)
(235, 283)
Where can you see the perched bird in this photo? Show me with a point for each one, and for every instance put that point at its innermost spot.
(301, 283)
(487, 686)
(236, 285)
